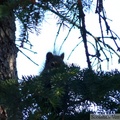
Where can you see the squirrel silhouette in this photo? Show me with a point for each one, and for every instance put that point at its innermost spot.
(53, 61)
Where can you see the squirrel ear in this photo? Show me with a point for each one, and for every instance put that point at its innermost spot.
(49, 56)
(62, 56)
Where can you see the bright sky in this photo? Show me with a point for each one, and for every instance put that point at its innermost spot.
(45, 42)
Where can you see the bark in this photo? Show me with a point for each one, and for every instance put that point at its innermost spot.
(8, 54)
(8, 49)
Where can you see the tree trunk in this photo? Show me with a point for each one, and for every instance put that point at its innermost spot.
(8, 54)
(8, 49)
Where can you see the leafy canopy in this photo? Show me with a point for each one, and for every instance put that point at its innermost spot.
(67, 92)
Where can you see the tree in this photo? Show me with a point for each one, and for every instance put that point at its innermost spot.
(71, 94)
(31, 14)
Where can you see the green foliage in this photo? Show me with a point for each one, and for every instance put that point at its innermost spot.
(65, 93)
(3, 11)
(10, 97)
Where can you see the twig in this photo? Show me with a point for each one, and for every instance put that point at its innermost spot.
(74, 49)
(57, 34)
(27, 49)
(28, 57)
(66, 37)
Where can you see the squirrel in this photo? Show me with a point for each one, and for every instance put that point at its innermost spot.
(53, 61)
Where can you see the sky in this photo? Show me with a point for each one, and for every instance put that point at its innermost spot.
(44, 42)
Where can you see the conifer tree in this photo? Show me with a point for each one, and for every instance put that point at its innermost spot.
(18, 99)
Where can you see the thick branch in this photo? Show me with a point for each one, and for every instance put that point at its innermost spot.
(83, 31)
